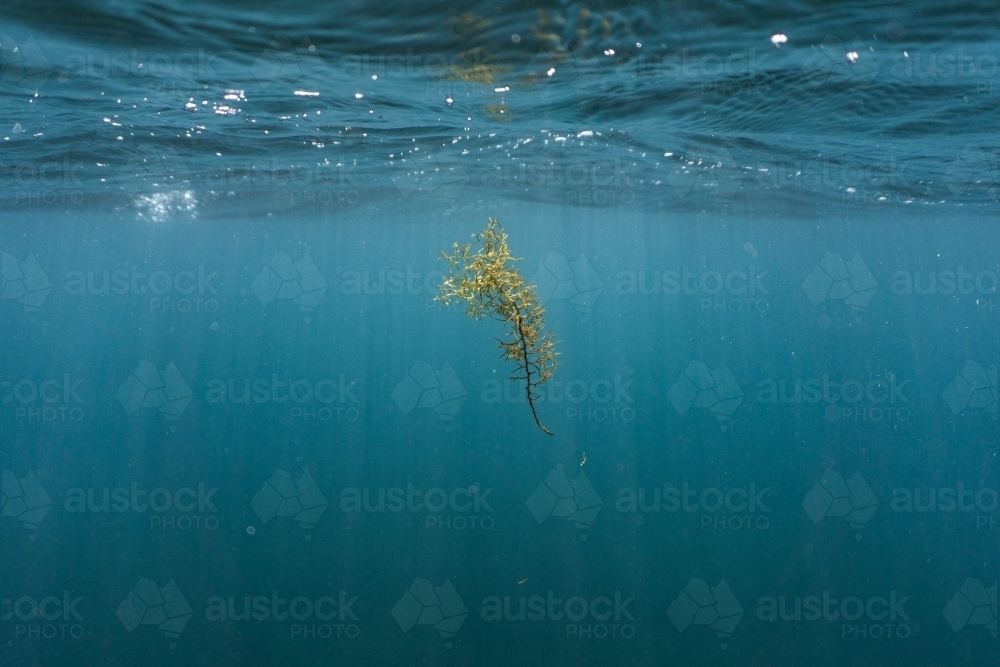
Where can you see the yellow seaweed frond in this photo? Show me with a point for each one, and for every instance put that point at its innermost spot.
(489, 284)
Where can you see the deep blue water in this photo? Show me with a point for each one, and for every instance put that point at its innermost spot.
(239, 430)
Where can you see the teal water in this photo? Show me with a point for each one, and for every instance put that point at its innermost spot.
(239, 430)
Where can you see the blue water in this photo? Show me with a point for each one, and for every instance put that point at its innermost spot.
(239, 430)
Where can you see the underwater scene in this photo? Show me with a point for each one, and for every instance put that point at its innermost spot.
(526, 332)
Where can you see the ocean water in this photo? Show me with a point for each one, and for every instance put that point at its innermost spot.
(238, 429)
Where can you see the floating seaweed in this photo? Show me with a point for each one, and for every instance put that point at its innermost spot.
(491, 285)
